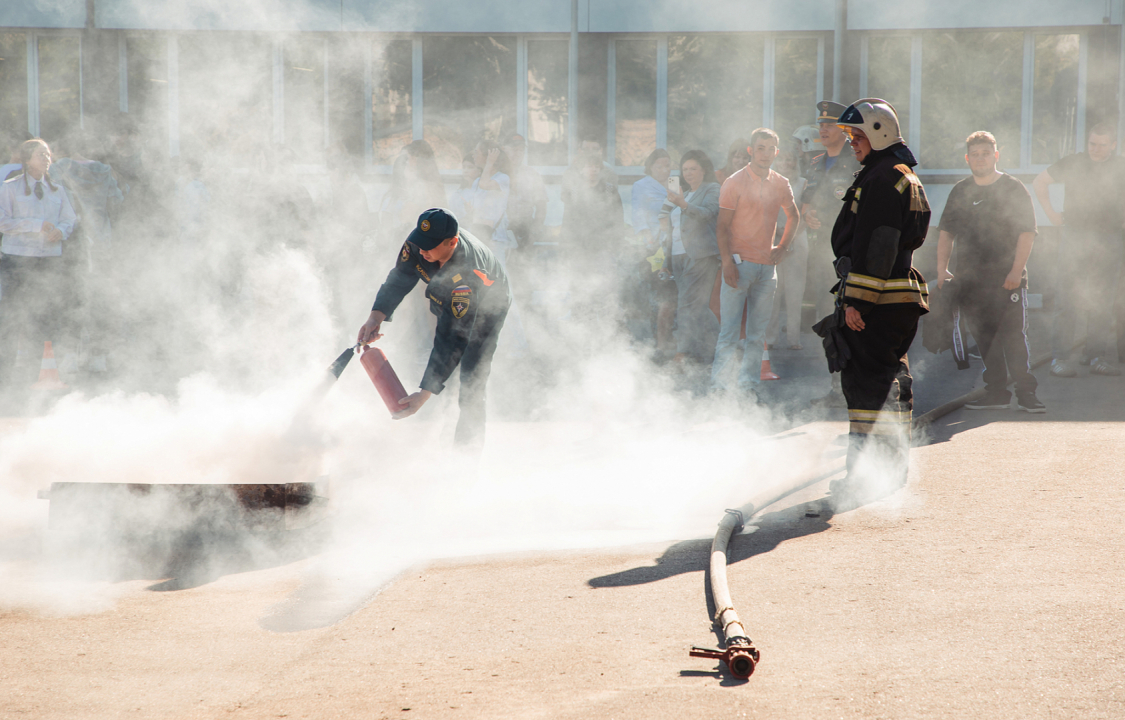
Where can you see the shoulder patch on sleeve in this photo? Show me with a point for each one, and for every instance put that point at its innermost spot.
(462, 298)
(405, 255)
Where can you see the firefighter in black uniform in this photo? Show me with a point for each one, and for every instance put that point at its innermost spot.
(884, 218)
(469, 292)
(830, 175)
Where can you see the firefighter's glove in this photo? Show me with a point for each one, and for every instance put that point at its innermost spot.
(831, 331)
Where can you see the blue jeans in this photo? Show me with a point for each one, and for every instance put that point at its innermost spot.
(756, 286)
(1089, 266)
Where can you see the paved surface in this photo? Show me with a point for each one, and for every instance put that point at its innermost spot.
(990, 587)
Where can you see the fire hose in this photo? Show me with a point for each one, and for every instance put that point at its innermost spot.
(740, 655)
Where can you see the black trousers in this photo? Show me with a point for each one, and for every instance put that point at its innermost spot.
(999, 326)
(34, 297)
(476, 365)
(877, 387)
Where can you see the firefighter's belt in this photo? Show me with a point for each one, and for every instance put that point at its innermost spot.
(885, 292)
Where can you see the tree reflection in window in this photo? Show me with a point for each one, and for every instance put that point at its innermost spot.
(226, 101)
(635, 101)
(888, 75)
(795, 90)
(970, 81)
(59, 77)
(547, 70)
(468, 92)
(1055, 99)
(148, 90)
(715, 90)
(13, 85)
(392, 98)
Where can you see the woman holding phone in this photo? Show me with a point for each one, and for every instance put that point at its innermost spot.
(689, 216)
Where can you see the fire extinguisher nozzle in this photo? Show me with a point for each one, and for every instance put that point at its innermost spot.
(337, 367)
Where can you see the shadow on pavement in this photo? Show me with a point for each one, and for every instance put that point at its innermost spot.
(694, 555)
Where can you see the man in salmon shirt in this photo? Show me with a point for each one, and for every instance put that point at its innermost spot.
(748, 205)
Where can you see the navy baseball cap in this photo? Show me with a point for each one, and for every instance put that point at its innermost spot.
(435, 226)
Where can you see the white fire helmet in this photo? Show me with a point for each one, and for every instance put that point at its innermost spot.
(876, 118)
(808, 137)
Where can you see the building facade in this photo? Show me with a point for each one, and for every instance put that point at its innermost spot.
(368, 76)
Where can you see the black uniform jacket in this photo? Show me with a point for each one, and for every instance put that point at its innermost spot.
(884, 219)
(827, 186)
(464, 293)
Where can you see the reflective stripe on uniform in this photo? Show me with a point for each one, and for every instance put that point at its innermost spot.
(879, 422)
(885, 292)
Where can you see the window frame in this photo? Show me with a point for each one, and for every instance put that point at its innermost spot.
(277, 96)
(522, 91)
(1027, 98)
(279, 40)
(33, 107)
(769, 80)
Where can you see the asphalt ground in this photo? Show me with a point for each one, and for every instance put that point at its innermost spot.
(988, 587)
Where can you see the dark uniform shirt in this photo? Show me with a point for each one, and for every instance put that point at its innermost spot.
(884, 220)
(1095, 191)
(986, 222)
(828, 185)
(471, 286)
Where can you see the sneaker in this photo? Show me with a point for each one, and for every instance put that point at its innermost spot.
(1063, 369)
(1030, 404)
(1101, 367)
(991, 401)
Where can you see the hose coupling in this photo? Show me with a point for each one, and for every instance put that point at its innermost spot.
(741, 657)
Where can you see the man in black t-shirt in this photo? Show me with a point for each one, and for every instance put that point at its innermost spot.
(990, 220)
(1090, 254)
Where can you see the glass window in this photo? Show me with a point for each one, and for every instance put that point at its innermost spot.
(225, 87)
(714, 92)
(1055, 98)
(468, 92)
(888, 75)
(970, 81)
(391, 99)
(794, 85)
(60, 107)
(13, 87)
(303, 73)
(547, 71)
(635, 103)
(148, 89)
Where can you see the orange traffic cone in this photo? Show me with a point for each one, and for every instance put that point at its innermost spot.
(48, 371)
(767, 374)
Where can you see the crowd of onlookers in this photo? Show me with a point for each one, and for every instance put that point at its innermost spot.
(149, 244)
(103, 205)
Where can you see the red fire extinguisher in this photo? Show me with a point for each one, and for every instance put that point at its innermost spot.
(383, 376)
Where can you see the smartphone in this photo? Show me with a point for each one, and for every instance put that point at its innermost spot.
(674, 183)
(737, 258)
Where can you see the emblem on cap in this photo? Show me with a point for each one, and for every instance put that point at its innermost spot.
(425, 225)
